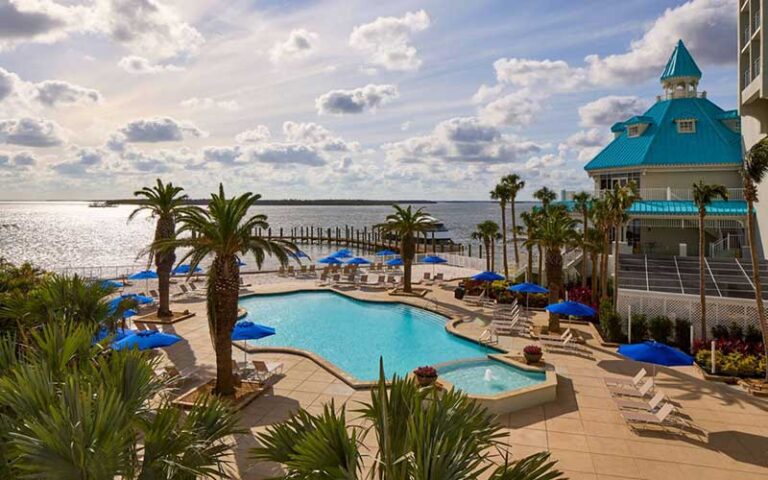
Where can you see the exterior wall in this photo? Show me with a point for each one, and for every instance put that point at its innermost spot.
(685, 179)
(667, 240)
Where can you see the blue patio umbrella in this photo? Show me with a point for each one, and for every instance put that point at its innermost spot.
(343, 253)
(574, 309)
(330, 261)
(657, 353)
(358, 261)
(247, 330)
(386, 253)
(143, 275)
(526, 288)
(111, 284)
(185, 269)
(487, 277)
(434, 260)
(119, 334)
(146, 340)
(129, 313)
(395, 262)
(140, 299)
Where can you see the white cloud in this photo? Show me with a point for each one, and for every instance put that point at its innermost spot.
(586, 143)
(207, 103)
(159, 129)
(387, 40)
(21, 98)
(285, 154)
(17, 160)
(608, 110)
(256, 135)
(515, 109)
(462, 140)
(542, 75)
(358, 100)
(405, 126)
(56, 92)
(486, 93)
(298, 45)
(142, 66)
(40, 21)
(30, 132)
(312, 134)
(224, 155)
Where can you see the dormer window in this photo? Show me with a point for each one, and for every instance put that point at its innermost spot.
(633, 131)
(686, 125)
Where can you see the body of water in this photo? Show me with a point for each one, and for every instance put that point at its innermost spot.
(55, 235)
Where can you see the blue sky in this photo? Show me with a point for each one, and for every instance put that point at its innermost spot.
(332, 99)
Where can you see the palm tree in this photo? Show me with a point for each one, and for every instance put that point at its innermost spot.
(581, 202)
(594, 245)
(545, 196)
(407, 224)
(420, 433)
(703, 195)
(487, 232)
(619, 200)
(501, 194)
(165, 202)
(556, 231)
(514, 184)
(70, 412)
(601, 215)
(225, 231)
(752, 173)
(529, 220)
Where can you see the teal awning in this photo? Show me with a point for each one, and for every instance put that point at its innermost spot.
(732, 208)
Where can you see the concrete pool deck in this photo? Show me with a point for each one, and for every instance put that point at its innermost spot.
(582, 428)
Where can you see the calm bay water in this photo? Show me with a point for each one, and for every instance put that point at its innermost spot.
(54, 235)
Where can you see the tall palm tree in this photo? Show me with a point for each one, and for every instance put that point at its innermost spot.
(165, 202)
(225, 231)
(703, 195)
(421, 434)
(70, 413)
(602, 219)
(514, 184)
(488, 233)
(407, 224)
(529, 220)
(581, 202)
(594, 246)
(620, 199)
(502, 194)
(556, 231)
(545, 196)
(752, 173)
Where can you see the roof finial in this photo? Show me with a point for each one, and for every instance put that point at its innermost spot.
(681, 75)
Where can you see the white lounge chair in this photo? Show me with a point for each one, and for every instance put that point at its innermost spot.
(628, 382)
(181, 375)
(427, 279)
(264, 371)
(558, 338)
(322, 281)
(632, 391)
(663, 417)
(649, 406)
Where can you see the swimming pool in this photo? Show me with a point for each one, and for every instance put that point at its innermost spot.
(489, 377)
(353, 334)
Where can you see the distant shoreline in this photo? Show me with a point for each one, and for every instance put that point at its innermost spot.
(287, 202)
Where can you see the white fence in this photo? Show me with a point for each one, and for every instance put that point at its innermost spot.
(720, 310)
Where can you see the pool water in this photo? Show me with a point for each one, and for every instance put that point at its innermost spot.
(353, 334)
(488, 377)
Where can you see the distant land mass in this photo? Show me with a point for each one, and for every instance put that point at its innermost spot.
(292, 202)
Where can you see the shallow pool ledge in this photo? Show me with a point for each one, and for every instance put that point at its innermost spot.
(521, 398)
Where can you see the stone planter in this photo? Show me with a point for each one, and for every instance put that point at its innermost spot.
(425, 381)
(532, 358)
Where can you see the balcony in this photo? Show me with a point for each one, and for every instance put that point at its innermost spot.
(746, 79)
(755, 67)
(747, 36)
(662, 194)
(756, 21)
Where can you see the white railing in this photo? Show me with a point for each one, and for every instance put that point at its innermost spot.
(667, 194)
(720, 310)
(101, 272)
(728, 245)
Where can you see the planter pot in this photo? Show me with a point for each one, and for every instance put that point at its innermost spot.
(532, 358)
(425, 381)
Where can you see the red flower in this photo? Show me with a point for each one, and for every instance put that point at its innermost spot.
(425, 371)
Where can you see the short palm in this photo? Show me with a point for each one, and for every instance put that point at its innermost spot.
(488, 233)
(407, 225)
(421, 434)
(555, 232)
(225, 231)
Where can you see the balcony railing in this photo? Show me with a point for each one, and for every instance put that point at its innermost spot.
(747, 36)
(756, 21)
(662, 194)
(747, 79)
(755, 67)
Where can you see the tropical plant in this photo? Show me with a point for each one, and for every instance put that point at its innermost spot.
(488, 233)
(703, 195)
(529, 220)
(502, 194)
(165, 202)
(407, 224)
(420, 433)
(225, 231)
(70, 412)
(594, 246)
(752, 173)
(545, 196)
(581, 203)
(556, 232)
(619, 200)
(16, 282)
(514, 184)
(601, 217)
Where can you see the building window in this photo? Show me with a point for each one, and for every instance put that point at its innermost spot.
(633, 131)
(686, 126)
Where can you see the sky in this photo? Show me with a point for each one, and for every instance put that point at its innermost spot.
(333, 99)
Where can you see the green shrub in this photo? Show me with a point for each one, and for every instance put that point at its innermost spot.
(639, 328)
(735, 332)
(720, 332)
(730, 364)
(748, 365)
(683, 334)
(660, 329)
(753, 334)
(610, 322)
(734, 364)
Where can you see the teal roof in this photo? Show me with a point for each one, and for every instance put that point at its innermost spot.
(680, 64)
(732, 208)
(637, 119)
(713, 143)
(618, 127)
(729, 115)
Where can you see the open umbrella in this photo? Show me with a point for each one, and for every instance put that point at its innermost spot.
(434, 260)
(343, 253)
(118, 334)
(330, 260)
(395, 262)
(145, 275)
(487, 277)
(526, 288)
(185, 269)
(656, 353)
(146, 339)
(571, 308)
(385, 253)
(358, 261)
(111, 284)
(247, 330)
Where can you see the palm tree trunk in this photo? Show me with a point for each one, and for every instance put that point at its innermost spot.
(504, 239)
(407, 249)
(584, 252)
(593, 258)
(616, 267)
(164, 260)
(223, 290)
(164, 291)
(487, 255)
(530, 264)
(702, 291)
(604, 266)
(554, 283)
(493, 255)
(756, 276)
(541, 271)
(514, 232)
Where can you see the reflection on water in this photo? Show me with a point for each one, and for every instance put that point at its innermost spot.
(69, 234)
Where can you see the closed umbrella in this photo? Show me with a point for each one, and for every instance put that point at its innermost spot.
(247, 330)
(527, 288)
(146, 340)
